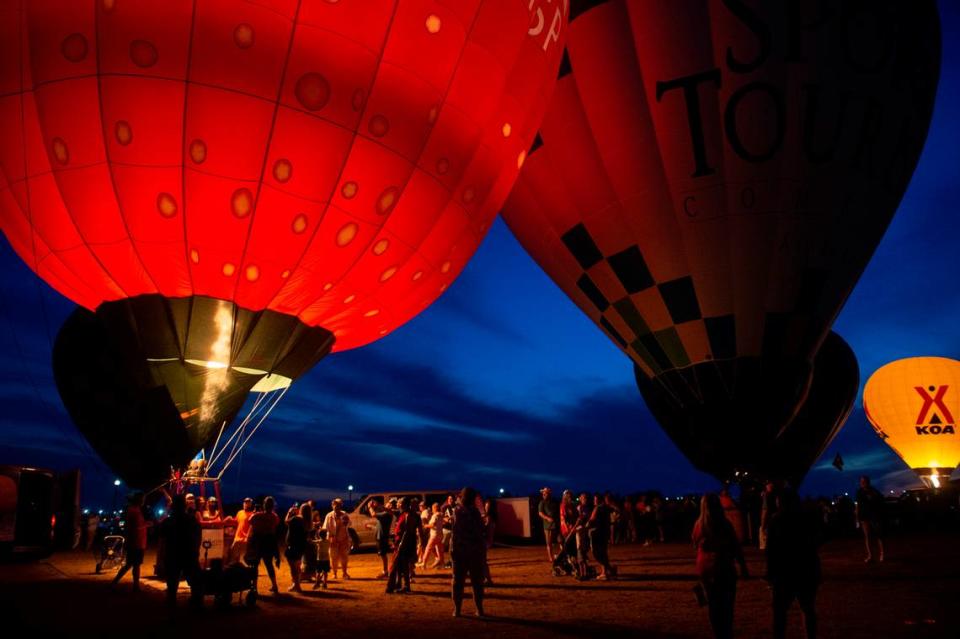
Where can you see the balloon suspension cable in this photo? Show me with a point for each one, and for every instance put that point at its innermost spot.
(266, 413)
(236, 434)
(213, 450)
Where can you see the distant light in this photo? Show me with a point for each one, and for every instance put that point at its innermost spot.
(846, 494)
(100, 512)
(116, 482)
(350, 487)
(160, 512)
(86, 511)
(501, 491)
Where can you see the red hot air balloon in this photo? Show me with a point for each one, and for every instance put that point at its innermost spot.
(712, 177)
(333, 162)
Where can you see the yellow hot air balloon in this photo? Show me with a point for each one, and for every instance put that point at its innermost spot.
(913, 405)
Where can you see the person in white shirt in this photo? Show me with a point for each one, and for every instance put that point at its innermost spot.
(337, 525)
(435, 544)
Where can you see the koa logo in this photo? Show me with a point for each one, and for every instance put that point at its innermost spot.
(934, 417)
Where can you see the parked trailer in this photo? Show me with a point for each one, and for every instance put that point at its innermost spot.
(517, 519)
(27, 511)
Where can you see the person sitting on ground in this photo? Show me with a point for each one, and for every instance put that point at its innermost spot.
(135, 539)
(323, 560)
(468, 551)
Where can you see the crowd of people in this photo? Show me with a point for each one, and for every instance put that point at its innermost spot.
(456, 533)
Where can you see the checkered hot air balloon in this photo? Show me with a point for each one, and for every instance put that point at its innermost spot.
(709, 182)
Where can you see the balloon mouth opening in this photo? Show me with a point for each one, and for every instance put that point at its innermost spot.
(268, 381)
(933, 476)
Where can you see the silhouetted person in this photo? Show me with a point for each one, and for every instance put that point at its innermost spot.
(181, 534)
(869, 510)
(296, 521)
(468, 550)
(135, 539)
(384, 520)
(262, 544)
(717, 552)
(793, 564)
(408, 533)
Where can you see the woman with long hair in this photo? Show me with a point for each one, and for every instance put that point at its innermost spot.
(296, 521)
(717, 551)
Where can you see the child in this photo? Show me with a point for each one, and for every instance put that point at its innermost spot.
(323, 559)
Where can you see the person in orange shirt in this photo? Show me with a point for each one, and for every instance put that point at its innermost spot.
(239, 547)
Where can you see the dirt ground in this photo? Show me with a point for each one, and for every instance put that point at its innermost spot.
(913, 594)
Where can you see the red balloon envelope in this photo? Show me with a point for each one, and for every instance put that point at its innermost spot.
(338, 162)
(712, 178)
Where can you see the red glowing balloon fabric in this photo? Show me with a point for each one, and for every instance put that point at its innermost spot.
(339, 161)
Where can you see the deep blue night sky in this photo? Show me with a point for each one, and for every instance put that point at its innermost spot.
(504, 383)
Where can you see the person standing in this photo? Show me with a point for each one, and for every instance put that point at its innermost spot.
(717, 551)
(384, 519)
(434, 530)
(408, 533)
(448, 509)
(323, 560)
(549, 513)
(262, 544)
(600, 530)
(768, 505)
(296, 521)
(793, 562)
(239, 547)
(425, 512)
(629, 521)
(582, 531)
(135, 540)
(181, 535)
(732, 511)
(337, 525)
(468, 551)
(869, 511)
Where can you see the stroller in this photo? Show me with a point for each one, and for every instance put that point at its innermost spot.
(224, 581)
(565, 563)
(111, 553)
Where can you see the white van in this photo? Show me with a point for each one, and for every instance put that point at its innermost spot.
(365, 525)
